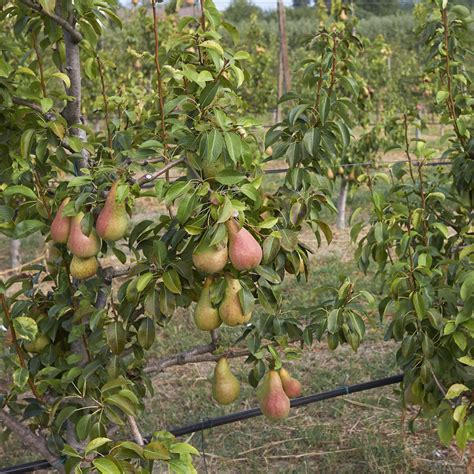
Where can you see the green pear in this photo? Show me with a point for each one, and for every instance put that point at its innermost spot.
(61, 225)
(83, 268)
(274, 402)
(40, 342)
(245, 252)
(225, 386)
(230, 309)
(78, 243)
(206, 316)
(112, 222)
(210, 259)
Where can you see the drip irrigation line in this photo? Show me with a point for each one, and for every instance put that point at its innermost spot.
(237, 416)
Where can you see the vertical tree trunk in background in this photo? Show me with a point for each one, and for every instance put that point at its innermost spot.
(341, 205)
(15, 253)
(328, 6)
(284, 74)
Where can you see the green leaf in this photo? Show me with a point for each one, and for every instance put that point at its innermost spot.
(143, 281)
(229, 177)
(25, 228)
(211, 44)
(63, 77)
(48, 5)
(106, 466)
(123, 403)
(311, 141)
(208, 94)
(116, 338)
(233, 144)
(268, 223)
(95, 444)
(25, 328)
(20, 189)
(467, 361)
(184, 448)
(446, 429)
(146, 333)
(214, 145)
(20, 377)
(455, 390)
(226, 211)
(467, 288)
(172, 281)
(268, 274)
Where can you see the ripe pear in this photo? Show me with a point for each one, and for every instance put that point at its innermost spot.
(40, 342)
(225, 386)
(61, 225)
(291, 386)
(78, 243)
(230, 310)
(210, 259)
(274, 402)
(206, 316)
(83, 268)
(112, 222)
(244, 251)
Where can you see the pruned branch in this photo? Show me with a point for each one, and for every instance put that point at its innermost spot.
(29, 439)
(62, 22)
(135, 430)
(196, 354)
(152, 176)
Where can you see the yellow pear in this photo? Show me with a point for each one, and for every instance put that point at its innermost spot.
(230, 310)
(225, 386)
(206, 316)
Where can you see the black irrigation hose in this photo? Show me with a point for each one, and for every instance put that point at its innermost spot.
(238, 416)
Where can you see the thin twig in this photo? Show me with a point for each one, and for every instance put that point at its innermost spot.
(40, 64)
(106, 102)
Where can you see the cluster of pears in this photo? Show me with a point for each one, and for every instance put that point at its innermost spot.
(273, 393)
(111, 225)
(245, 253)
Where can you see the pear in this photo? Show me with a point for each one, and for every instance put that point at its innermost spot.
(40, 342)
(61, 225)
(112, 222)
(210, 259)
(206, 316)
(291, 386)
(225, 386)
(230, 310)
(244, 251)
(274, 402)
(83, 268)
(78, 243)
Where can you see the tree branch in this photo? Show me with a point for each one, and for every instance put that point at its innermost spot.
(63, 23)
(197, 354)
(33, 106)
(152, 176)
(135, 430)
(29, 439)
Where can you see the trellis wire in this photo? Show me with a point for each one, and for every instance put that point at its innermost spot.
(237, 416)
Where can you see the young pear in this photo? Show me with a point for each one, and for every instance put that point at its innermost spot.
(225, 386)
(291, 386)
(210, 259)
(230, 309)
(274, 402)
(81, 245)
(206, 316)
(83, 268)
(112, 222)
(61, 225)
(244, 251)
(40, 342)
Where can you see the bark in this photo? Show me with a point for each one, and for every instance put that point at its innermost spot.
(15, 253)
(29, 439)
(341, 205)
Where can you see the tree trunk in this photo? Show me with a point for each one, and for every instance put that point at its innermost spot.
(15, 253)
(341, 205)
